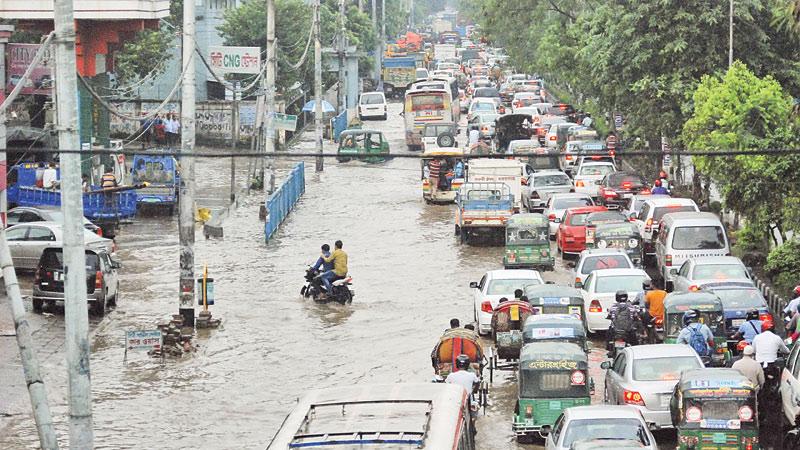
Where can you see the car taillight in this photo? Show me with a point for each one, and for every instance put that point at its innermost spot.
(611, 153)
(633, 398)
(645, 192)
(694, 288)
(487, 307)
(627, 185)
(484, 128)
(98, 280)
(529, 412)
(551, 217)
(765, 317)
(113, 247)
(609, 193)
(648, 225)
(668, 260)
(569, 157)
(553, 138)
(38, 276)
(595, 306)
(541, 131)
(579, 183)
(719, 350)
(100, 232)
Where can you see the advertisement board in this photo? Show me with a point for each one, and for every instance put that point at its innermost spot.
(20, 57)
(235, 59)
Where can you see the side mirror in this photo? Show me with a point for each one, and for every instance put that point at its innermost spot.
(116, 265)
(633, 216)
(673, 271)
(571, 264)
(653, 426)
(546, 429)
(473, 285)
(578, 285)
(605, 365)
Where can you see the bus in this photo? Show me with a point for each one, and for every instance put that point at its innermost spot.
(441, 82)
(424, 106)
(433, 416)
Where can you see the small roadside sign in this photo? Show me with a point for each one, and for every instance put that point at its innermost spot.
(144, 340)
(235, 59)
(618, 120)
(666, 149)
(286, 122)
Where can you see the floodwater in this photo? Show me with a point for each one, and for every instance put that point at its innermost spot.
(411, 276)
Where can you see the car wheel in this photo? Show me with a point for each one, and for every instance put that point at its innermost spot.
(37, 305)
(98, 308)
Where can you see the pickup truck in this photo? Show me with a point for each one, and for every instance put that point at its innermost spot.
(160, 172)
(483, 208)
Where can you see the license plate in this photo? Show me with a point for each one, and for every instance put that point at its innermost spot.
(619, 344)
(720, 438)
(737, 322)
(665, 398)
(627, 195)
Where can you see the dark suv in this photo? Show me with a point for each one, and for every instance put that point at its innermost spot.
(616, 188)
(102, 282)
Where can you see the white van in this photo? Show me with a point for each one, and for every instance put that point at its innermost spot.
(508, 171)
(650, 214)
(372, 104)
(685, 235)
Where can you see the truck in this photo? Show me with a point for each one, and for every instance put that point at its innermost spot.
(483, 209)
(491, 170)
(440, 26)
(162, 176)
(442, 51)
(397, 74)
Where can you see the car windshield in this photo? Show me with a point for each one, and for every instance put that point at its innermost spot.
(605, 262)
(371, 99)
(516, 236)
(486, 92)
(436, 130)
(596, 170)
(719, 271)
(741, 298)
(630, 283)
(577, 219)
(483, 106)
(626, 181)
(663, 368)
(659, 212)
(611, 428)
(507, 287)
(564, 203)
(699, 238)
(551, 180)
(490, 118)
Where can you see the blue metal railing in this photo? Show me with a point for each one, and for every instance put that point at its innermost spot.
(338, 124)
(281, 202)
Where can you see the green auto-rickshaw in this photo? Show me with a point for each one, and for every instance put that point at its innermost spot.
(715, 409)
(552, 376)
(623, 235)
(556, 299)
(555, 328)
(528, 242)
(676, 304)
(370, 143)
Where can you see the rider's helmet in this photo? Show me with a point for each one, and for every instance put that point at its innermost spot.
(742, 345)
(690, 316)
(658, 183)
(662, 174)
(462, 362)
(752, 314)
(797, 290)
(647, 284)
(621, 296)
(767, 325)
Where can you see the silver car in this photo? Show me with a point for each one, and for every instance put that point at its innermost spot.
(644, 377)
(599, 259)
(696, 271)
(599, 422)
(558, 203)
(542, 185)
(27, 241)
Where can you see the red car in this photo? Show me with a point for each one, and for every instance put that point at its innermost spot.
(571, 234)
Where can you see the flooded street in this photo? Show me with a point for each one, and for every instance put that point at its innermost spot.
(411, 276)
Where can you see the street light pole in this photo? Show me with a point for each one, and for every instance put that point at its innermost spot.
(76, 318)
(730, 37)
(186, 216)
(378, 47)
(269, 146)
(342, 48)
(318, 87)
(5, 33)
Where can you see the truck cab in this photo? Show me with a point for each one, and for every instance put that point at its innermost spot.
(162, 176)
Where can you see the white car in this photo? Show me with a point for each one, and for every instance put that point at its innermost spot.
(495, 285)
(482, 106)
(644, 377)
(696, 271)
(533, 112)
(790, 386)
(599, 293)
(28, 240)
(634, 204)
(541, 185)
(606, 422)
(648, 220)
(372, 104)
(593, 259)
(589, 176)
(558, 203)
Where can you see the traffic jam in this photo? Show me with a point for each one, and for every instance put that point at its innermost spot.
(658, 336)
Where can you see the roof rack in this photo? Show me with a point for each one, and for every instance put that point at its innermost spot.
(361, 437)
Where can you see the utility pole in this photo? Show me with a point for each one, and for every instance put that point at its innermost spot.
(186, 201)
(378, 45)
(318, 87)
(342, 48)
(5, 33)
(76, 317)
(410, 14)
(730, 37)
(383, 27)
(269, 147)
(234, 137)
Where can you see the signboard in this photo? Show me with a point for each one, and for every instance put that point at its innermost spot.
(286, 122)
(618, 120)
(20, 57)
(235, 59)
(143, 340)
(665, 148)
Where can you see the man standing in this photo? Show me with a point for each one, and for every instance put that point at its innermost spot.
(109, 180)
(85, 186)
(339, 259)
(750, 368)
(435, 167)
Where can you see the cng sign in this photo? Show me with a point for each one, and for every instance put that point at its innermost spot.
(235, 59)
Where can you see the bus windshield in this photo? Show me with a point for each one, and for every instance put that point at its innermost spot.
(425, 102)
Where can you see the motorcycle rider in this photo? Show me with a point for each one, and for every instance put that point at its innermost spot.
(751, 327)
(623, 316)
(339, 271)
(739, 349)
(463, 377)
(653, 303)
(695, 334)
(662, 176)
(768, 344)
(750, 368)
(658, 189)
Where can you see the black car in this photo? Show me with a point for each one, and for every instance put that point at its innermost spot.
(616, 188)
(24, 214)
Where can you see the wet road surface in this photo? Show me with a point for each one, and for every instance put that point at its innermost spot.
(411, 276)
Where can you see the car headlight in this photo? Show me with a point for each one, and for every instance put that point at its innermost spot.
(633, 243)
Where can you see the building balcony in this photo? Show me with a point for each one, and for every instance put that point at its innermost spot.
(87, 9)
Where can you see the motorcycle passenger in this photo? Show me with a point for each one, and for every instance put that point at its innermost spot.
(463, 377)
(791, 308)
(695, 334)
(768, 344)
(339, 271)
(623, 316)
(749, 367)
(751, 327)
(659, 189)
(326, 252)
(739, 349)
(662, 176)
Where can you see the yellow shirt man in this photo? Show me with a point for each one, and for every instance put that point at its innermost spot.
(339, 258)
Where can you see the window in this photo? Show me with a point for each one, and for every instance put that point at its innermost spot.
(596, 170)
(29, 216)
(684, 269)
(17, 234)
(619, 364)
(631, 283)
(427, 102)
(587, 282)
(719, 271)
(663, 369)
(13, 217)
(40, 234)
(551, 180)
(795, 367)
(507, 287)
(372, 99)
(699, 238)
(643, 213)
(658, 213)
(741, 298)
(483, 282)
(605, 262)
(578, 219)
(606, 428)
(557, 428)
(555, 381)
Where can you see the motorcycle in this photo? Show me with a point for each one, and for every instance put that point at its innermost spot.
(769, 397)
(655, 330)
(314, 289)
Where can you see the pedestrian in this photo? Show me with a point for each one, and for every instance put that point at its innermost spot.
(160, 132)
(750, 368)
(768, 344)
(168, 128)
(587, 121)
(85, 186)
(109, 180)
(146, 129)
(435, 167)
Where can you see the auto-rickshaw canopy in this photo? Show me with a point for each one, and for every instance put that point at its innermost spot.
(717, 398)
(554, 328)
(553, 370)
(705, 302)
